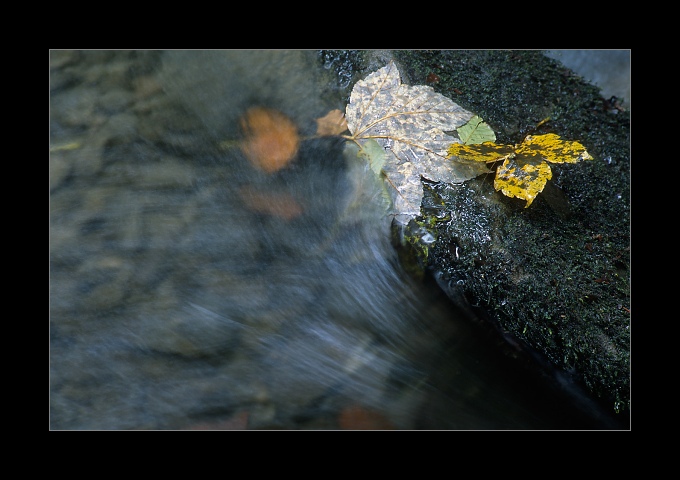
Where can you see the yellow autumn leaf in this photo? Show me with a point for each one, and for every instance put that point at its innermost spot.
(553, 149)
(522, 177)
(481, 152)
(525, 170)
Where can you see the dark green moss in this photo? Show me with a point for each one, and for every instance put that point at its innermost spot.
(557, 274)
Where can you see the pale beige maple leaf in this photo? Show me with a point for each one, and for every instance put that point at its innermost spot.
(411, 124)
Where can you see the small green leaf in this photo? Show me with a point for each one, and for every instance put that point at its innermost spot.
(374, 155)
(476, 131)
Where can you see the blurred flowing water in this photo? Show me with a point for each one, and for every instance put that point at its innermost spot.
(189, 290)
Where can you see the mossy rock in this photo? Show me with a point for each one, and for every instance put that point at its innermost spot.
(553, 278)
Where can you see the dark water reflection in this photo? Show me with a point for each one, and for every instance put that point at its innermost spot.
(176, 302)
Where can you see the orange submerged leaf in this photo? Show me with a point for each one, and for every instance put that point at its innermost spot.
(271, 138)
(333, 123)
(356, 417)
(280, 205)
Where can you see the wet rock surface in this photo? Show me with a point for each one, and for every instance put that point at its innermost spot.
(553, 278)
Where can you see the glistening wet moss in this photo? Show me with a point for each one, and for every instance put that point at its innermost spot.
(555, 275)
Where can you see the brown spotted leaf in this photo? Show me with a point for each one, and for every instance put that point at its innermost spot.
(333, 123)
(410, 123)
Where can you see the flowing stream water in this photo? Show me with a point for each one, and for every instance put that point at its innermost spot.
(188, 290)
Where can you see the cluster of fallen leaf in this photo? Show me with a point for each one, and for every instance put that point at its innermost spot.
(524, 171)
(270, 142)
(401, 130)
(411, 124)
(271, 139)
